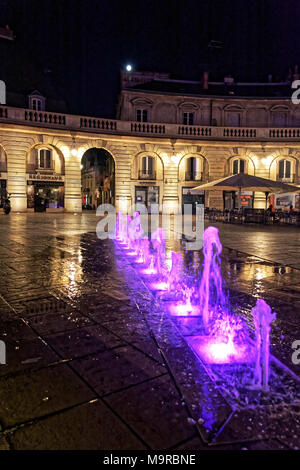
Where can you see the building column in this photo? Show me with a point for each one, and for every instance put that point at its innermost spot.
(216, 161)
(170, 199)
(16, 179)
(73, 201)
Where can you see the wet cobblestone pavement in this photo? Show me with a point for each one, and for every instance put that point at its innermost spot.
(93, 361)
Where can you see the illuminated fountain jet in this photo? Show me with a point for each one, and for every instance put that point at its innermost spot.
(185, 307)
(158, 239)
(262, 317)
(212, 296)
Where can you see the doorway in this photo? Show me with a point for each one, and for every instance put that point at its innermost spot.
(193, 197)
(97, 178)
(147, 195)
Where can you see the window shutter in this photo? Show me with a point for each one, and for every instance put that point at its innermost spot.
(150, 165)
(242, 166)
(145, 115)
(144, 162)
(36, 158)
(287, 169)
(281, 169)
(235, 167)
(42, 159)
(48, 158)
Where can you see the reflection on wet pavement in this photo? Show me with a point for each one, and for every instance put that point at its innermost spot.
(83, 343)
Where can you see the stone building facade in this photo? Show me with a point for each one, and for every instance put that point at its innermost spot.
(163, 143)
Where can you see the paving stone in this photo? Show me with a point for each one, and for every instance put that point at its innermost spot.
(32, 354)
(15, 330)
(38, 393)
(154, 410)
(92, 426)
(56, 322)
(83, 341)
(116, 369)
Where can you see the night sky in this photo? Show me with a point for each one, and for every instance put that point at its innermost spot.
(81, 45)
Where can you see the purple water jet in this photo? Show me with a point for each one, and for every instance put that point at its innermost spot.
(262, 317)
(176, 271)
(225, 338)
(158, 239)
(212, 297)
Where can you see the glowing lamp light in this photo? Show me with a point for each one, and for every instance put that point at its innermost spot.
(129, 68)
(266, 160)
(74, 152)
(175, 158)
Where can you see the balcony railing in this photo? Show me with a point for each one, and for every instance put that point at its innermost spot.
(147, 175)
(193, 175)
(45, 117)
(71, 122)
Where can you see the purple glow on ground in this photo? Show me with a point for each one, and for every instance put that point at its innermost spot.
(226, 339)
(215, 351)
(159, 285)
(181, 309)
(149, 271)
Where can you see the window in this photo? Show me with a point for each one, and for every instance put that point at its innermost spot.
(142, 115)
(238, 166)
(188, 119)
(193, 169)
(285, 169)
(45, 159)
(36, 104)
(147, 168)
(147, 165)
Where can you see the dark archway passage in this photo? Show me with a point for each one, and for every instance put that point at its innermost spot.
(97, 178)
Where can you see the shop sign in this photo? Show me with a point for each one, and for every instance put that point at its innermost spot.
(38, 177)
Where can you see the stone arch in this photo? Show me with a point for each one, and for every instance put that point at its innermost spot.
(98, 145)
(136, 164)
(98, 174)
(274, 166)
(32, 155)
(204, 166)
(189, 105)
(249, 163)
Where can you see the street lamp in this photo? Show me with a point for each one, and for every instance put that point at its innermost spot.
(129, 68)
